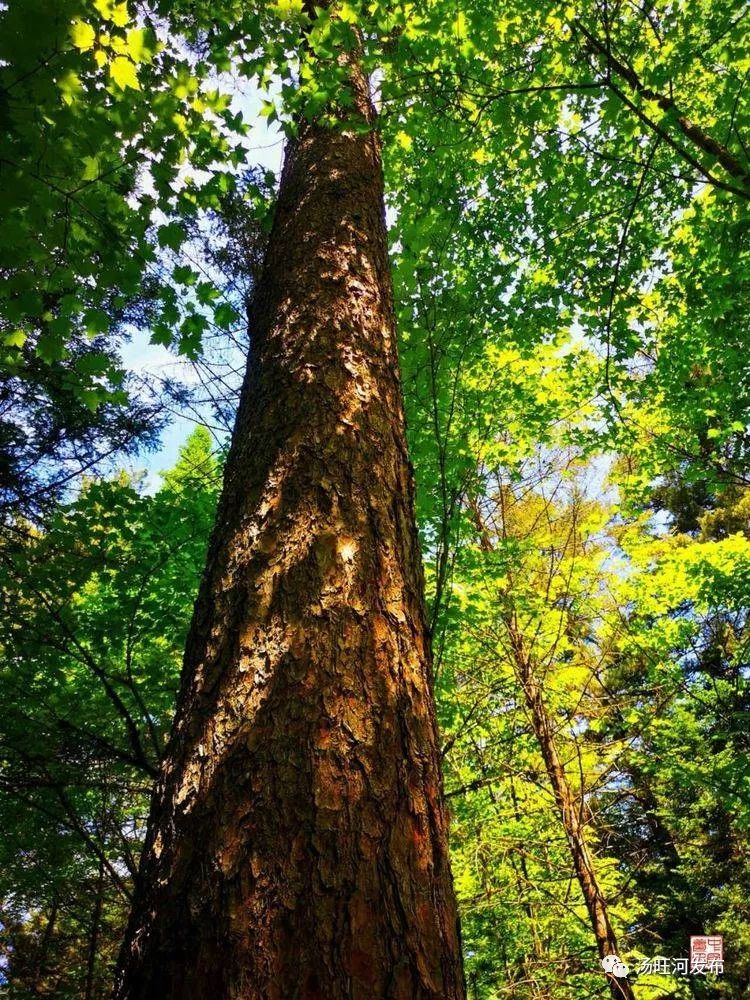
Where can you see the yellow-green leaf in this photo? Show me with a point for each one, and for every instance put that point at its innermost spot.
(404, 140)
(70, 86)
(90, 168)
(83, 35)
(288, 9)
(117, 13)
(348, 13)
(138, 46)
(17, 338)
(123, 73)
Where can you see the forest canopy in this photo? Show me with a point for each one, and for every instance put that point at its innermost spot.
(567, 200)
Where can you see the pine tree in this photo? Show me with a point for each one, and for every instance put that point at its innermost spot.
(297, 841)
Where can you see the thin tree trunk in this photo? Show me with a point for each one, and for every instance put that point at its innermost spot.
(679, 923)
(297, 844)
(570, 815)
(94, 935)
(606, 940)
(41, 958)
(524, 887)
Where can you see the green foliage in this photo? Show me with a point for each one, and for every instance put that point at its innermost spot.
(102, 112)
(97, 607)
(540, 189)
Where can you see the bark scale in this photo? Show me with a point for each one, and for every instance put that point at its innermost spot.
(297, 843)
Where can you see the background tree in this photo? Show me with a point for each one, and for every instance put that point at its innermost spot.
(97, 608)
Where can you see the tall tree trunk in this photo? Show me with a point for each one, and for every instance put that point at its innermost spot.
(568, 808)
(297, 841)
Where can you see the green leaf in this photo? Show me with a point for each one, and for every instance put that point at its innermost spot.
(17, 338)
(93, 363)
(172, 235)
(95, 321)
(184, 275)
(206, 292)
(225, 315)
(50, 348)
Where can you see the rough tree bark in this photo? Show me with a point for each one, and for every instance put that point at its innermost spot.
(297, 840)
